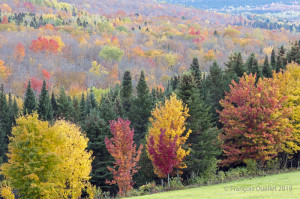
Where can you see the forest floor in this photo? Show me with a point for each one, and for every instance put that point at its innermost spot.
(283, 186)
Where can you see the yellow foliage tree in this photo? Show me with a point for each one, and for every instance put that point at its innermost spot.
(47, 161)
(97, 69)
(289, 83)
(170, 116)
(4, 72)
(6, 190)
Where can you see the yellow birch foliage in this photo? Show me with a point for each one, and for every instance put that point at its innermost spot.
(6, 190)
(76, 161)
(289, 83)
(47, 161)
(171, 116)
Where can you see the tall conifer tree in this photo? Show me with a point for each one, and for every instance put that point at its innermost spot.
(29, 101)
(45, 109)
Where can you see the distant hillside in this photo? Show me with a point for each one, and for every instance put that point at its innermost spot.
(219, 4)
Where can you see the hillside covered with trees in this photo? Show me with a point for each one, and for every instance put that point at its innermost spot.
(100, 98)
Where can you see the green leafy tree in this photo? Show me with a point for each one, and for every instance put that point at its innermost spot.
(111, 53)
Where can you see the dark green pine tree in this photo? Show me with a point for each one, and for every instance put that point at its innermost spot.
(168, 91)
(267, 69)
(215, 84)
(29, 101)
(250, 63)
(92, 100)
(106, 109)
(239, 67)
(15, 108)
(45, 109)
(54, 106)
(11, 112)
(195, 69)
(126, 93)
(203, 140)
(278, 64)
(82, 108)
(294, 54)
(273, 60)
(141, 109)
(281, 53)
(4, 124)
(96, 130)
(76, 108)
(235, 65)
(257, 70)
(65, 108)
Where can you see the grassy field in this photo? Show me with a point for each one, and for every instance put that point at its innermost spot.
(282, 186)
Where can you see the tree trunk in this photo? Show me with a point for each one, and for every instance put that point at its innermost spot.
(169, 179)
(162, 182)
(298, 160)
(286, 159)
(178, 176)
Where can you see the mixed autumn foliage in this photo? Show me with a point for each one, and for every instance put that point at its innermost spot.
(99, 83)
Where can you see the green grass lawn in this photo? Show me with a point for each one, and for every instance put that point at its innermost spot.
(291, 182)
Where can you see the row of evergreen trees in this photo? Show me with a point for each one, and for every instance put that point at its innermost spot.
(200, 92)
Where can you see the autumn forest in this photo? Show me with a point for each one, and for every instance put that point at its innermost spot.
(119, 98)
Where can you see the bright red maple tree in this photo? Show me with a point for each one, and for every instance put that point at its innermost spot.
(164, 154)
(122, 147)
(256, 123)
(43, 44)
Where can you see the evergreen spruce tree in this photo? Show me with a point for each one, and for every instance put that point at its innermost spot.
(93, 100)
(278, 64)
(281, 54)
(65, 108)
(29, 101)
(106, 109)
(250, 63)
(203, 140)
(195, 69)
(4, 124)
(97, 129)
(235, 65)
(257, 70)
(76, 108)
(82, 108)
(54, 106)
(141, 109)
(45, 109)
(267, 69)
(15, 108)
(273, 60)
(294, 54)
(215, 84)
(126, 93)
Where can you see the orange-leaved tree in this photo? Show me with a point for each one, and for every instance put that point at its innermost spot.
(122, 147)
(170, 116)
(256, 123)
(19, 53)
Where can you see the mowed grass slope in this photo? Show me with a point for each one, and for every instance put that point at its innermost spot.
(291, 182)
